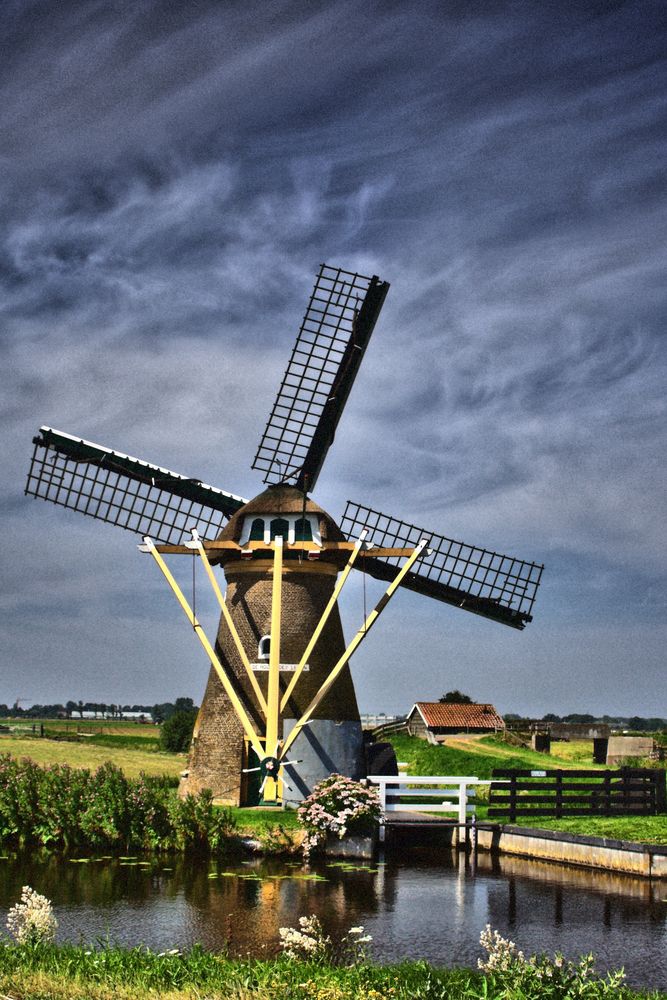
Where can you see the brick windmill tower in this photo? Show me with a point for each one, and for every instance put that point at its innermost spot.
(280, 684)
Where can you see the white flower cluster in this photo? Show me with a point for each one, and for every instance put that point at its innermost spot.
(509, 964)
(502, 954)
(308, 943)
(353, 946)
(32, 921)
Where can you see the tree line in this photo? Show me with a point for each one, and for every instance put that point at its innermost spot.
(158, 713)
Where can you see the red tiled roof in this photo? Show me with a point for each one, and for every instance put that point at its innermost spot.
(437, 714)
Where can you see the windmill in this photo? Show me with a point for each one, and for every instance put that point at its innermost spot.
(280, 685)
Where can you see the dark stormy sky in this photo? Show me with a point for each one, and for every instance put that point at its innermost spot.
(171, 177)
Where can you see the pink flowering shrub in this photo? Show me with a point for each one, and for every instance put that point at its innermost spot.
(341, 806)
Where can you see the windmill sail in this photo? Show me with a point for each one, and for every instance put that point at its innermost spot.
(333, 337)
(124, 491)
(487, 583)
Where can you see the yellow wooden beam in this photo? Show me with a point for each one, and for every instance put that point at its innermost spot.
(359, 637)
(323, 620)
(197, 545)
(227, 546)
(148, 546)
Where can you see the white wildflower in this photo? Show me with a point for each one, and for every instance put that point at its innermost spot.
(32, 920)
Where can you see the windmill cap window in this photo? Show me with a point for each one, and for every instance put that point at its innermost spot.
(290, 527)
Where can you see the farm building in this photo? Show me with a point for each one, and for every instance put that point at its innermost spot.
(431, 719)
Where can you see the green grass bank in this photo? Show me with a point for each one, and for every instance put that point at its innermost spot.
(67, 972)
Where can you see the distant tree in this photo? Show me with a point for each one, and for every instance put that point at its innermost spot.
(176, 731)
(455, 698)
(578, 718)
(161, 712)
(550, 717)
(70, 707)
(164, 710)
(645, 725)
(80, 708)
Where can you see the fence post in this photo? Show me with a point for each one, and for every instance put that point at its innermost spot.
(625, 790)
(383, 806)
(559, 794)
(463, 803)
(513, 780)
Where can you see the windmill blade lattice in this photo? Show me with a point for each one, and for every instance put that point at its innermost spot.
(330, 346)
(124, 491)
(487, 583)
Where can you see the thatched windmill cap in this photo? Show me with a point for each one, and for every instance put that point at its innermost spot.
(274, 502)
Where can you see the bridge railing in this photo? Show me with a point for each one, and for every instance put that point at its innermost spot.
(427, 793)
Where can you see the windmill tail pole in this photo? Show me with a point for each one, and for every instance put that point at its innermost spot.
(149, 546)
(356, 641)
(196, 545)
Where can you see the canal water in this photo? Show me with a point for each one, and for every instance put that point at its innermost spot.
(414, 905)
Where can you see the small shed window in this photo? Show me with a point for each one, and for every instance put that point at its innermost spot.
(264, 650)
(279, 526)
(257, 530)
(303, 530)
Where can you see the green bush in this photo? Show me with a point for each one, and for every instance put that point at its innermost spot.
(60, 807)
(176, 731)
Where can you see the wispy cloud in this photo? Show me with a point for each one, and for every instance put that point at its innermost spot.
(171, 179)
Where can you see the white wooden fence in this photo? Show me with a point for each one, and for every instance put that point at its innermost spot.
(446, 794)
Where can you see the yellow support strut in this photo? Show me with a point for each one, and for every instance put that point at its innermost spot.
(197, 545)
(361, 634)
(323, 620)
(149, 546)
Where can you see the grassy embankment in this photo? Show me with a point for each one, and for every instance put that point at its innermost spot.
(132, 747)
(480, 755)
(73, 972)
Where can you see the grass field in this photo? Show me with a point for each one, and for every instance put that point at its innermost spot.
(259, 821)
(479, 755)
(130, 759)
(638, 829)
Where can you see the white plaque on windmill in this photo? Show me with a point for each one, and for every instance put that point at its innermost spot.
(288, 668)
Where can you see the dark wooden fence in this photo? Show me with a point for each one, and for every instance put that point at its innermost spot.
(626, 791)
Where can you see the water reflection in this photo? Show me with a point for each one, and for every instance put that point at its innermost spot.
(413, 905)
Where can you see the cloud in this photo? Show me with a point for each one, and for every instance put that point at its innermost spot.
(172, 178)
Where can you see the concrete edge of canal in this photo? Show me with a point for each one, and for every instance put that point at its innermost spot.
(648, 860)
